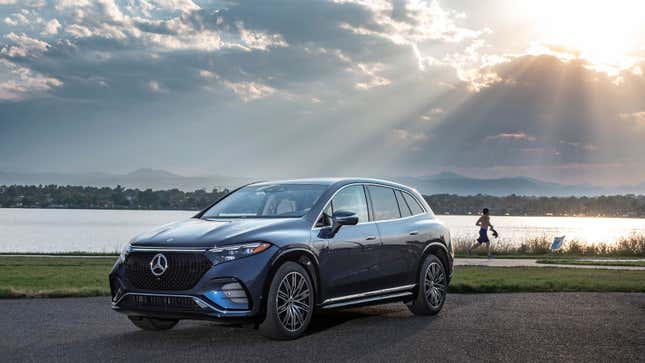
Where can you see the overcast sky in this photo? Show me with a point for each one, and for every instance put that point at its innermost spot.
(322, 88)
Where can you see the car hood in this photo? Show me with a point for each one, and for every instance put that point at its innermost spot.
(197, 232)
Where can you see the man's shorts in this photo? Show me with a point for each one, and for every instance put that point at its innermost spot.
(483, 236)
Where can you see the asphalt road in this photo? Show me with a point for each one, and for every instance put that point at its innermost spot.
(484, 327)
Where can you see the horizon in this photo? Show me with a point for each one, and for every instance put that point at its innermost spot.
(447, 182)
(421, 176)
(247, 88)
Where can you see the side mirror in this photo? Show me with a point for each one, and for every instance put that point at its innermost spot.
(342, 218)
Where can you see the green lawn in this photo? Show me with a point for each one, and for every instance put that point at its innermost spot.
(572, 261)
(54, 276)
(64, 276)
(544, 279)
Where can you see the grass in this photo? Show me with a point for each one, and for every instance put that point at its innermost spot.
(473, 279)
(54, 277)
(65, 277)
(67, 253)
(632, 245)
(571, 261)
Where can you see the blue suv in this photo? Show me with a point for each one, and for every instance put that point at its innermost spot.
(273, 253)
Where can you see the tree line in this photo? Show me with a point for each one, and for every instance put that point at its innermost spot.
(55, 196)
(627, 205)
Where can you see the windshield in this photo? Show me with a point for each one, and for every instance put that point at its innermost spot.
(268, 201)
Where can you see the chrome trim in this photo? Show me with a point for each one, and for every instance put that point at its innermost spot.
(313, 226)
(167, 249)
(366, 300)
(197, 300)
(369, 293)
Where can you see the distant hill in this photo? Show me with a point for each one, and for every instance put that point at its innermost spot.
(141, 178)
(452, 183)
(442, 183)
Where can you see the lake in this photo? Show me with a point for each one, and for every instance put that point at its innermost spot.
(60, 230)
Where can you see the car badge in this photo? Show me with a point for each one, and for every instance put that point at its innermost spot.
(158, 265)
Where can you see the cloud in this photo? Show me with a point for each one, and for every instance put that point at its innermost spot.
(636, 117)
(23, 46)
(374, 79)
(406, 137)
(22, 82)
(249, 91)
(512, 136)
(437, 88)
(51, 28)
(23, 18)
(29, 3)
(154, 86)
(413, 23)
(180, 5)
(541, 112)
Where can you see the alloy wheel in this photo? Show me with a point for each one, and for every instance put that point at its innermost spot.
(435, 285)
(292, 301)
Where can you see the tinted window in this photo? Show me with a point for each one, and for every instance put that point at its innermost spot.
(403, 206)
(268, 201)
(415, 207)
(351, 199)
(384, 203)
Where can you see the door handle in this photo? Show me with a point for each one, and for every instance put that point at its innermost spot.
(414, 233)
(370, 238)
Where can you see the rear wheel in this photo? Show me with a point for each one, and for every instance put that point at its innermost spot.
(152, 323)
(432, 288)
(290, 303)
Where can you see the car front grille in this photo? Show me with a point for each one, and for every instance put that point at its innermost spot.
(160, 303)
(184, 269)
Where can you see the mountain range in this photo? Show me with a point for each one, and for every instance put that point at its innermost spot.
(449, 183)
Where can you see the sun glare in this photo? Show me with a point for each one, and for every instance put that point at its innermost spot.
(608, 34)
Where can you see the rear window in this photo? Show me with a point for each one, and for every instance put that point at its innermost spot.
(415, 207)
(403, 206)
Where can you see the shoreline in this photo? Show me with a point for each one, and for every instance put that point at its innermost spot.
(438, 215)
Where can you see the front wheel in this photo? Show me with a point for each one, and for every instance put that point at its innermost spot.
(432, 288)
(152, 323)
(290, 303)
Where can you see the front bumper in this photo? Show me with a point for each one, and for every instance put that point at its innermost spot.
(227, 291)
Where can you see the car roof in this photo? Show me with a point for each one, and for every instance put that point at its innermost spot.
(338, 182)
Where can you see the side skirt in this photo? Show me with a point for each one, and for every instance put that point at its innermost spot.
(372, 297)
(369, 301)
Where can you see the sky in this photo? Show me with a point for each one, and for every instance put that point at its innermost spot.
(266, 89)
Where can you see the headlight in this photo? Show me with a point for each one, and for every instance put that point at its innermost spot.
(125, 250)
(233, 252)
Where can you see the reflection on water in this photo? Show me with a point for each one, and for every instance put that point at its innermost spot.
(514, 230)
(55, 230)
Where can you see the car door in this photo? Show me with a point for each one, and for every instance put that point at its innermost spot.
(349, 260)
(397, 258)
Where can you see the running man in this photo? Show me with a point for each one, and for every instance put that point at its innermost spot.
(484, 224)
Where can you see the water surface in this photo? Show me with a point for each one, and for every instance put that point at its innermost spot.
(59, 230)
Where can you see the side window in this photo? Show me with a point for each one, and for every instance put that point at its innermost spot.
(352, 199)
(414, 205)
(403, 206)
(385, 205)
(325, 217)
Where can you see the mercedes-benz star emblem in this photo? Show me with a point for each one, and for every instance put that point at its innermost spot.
(158, 264)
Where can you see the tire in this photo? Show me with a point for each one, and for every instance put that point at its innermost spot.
(286, 317)
(431, 292)
(152, 323)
